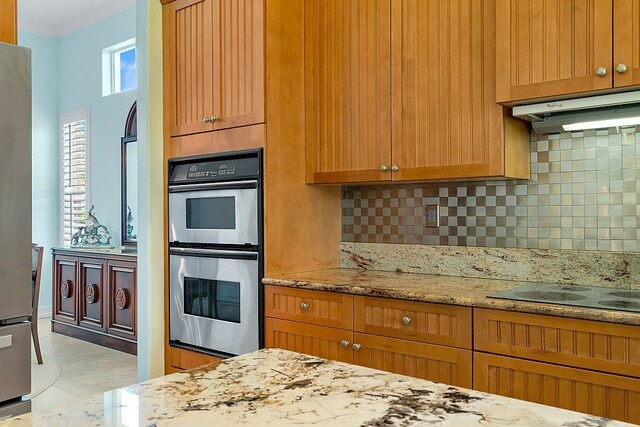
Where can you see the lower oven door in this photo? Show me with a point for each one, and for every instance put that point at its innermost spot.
(214, 300)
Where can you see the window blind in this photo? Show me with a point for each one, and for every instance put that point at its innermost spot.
(74, 176)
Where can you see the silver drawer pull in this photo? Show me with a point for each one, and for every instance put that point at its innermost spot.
(304, 306)
(406, 320)
(344, 344)
(356, 347)
(6, 341)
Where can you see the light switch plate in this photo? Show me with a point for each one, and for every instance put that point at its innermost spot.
(432, 213)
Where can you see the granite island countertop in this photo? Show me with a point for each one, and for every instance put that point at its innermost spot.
(466, 291)
(277, 387)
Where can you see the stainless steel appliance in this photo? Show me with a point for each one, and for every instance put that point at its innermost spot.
(215, 253)
(15, 229)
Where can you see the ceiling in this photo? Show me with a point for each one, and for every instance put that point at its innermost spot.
(61, 17)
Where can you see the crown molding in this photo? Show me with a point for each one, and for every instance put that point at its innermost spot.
(105, 11)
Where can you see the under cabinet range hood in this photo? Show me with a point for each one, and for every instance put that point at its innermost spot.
(603, 111)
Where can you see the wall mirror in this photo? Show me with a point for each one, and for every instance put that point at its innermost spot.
(129, 143)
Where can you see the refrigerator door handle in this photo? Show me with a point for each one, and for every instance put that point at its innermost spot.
(6, 341)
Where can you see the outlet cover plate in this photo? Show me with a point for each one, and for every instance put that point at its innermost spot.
(432, 214)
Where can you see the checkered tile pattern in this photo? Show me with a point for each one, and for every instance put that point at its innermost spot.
(582, 195)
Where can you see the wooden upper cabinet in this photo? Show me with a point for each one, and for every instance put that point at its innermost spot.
(8, 21)
(214, 64)
(626, 41)
(446, 120)
(550, 48)
(348, 90)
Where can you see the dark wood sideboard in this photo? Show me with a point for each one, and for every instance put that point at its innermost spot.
(94, 297)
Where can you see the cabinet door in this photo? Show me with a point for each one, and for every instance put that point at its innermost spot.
(9, 21)
(188, 65)
(626, 42)
(238, 63)
(446, 120)
(91, 293)
(430, 362)
(548, 48)
(320, 341)
(65, 301)
(121, 299)
(348, 90)
(604, 395)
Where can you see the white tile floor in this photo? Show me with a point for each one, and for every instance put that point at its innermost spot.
(85, 369)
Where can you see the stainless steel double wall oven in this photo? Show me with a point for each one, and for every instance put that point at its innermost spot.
(215, 253)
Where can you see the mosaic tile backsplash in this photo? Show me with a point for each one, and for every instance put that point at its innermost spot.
(582, 195)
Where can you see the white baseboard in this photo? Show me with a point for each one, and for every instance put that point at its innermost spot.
(45, 312)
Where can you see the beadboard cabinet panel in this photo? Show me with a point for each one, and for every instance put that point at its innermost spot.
(548, 48)
(420, 321)
(431, 362)
(320, 341)
(605, 395)
(626, 42)
(348, 90)
(596, 346)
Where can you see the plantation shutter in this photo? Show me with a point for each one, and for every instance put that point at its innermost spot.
(74, 173)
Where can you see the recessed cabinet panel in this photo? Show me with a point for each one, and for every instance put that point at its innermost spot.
(348, 90)
(553, 48)
(91, 299)
(65, 289)
(122, 299)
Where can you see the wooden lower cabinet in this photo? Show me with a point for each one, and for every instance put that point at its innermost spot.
(320, 341)
(181, 360)
(94, 297)
(606, 395)
(427, 361)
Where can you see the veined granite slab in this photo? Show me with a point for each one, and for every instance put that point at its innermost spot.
(589, 268)
(468, 291)
(278, 387)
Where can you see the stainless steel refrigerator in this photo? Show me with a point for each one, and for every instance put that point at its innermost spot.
(15, 229)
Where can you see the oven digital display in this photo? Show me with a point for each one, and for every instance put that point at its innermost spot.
(212, 299)
(211, 213)
(213, 169)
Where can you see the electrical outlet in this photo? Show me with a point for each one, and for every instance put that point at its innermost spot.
(433, 215)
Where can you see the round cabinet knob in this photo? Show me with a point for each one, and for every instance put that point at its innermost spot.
(213, 118)
(395, 168)
(621, 68)
(65, 289)
(384, 168)
(91, 293)
(406, 320)
(344, 344)
(601, 71)
(304, 306)
(356, 347)
(205, 120)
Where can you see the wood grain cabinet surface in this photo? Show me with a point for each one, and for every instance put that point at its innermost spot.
(606, 395)
(94, 297)
(404, 90)
(9, 21)
(388, 344)
(555, 48)
(214, 64)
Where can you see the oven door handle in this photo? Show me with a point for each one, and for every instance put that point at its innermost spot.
(214, 253)
(238, 185)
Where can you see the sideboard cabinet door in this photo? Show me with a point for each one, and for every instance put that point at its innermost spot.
(121, 299)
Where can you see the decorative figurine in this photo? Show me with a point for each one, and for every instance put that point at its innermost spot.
(130, 235)
(92, 235)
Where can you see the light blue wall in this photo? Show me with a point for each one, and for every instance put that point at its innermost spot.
(45, 212)
(80, 86)
(67, 76)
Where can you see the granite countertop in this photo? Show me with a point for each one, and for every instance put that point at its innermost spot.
(439, 289)
(278, 387)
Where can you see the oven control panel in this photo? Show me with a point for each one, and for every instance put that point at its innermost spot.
(212, 169)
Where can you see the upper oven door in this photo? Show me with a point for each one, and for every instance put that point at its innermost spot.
(221, 213)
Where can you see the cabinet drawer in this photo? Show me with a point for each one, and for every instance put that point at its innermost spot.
(579, 390)
(317, 307)
(328, 343)
(598, 346)
(434, 323)
(427, 361)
